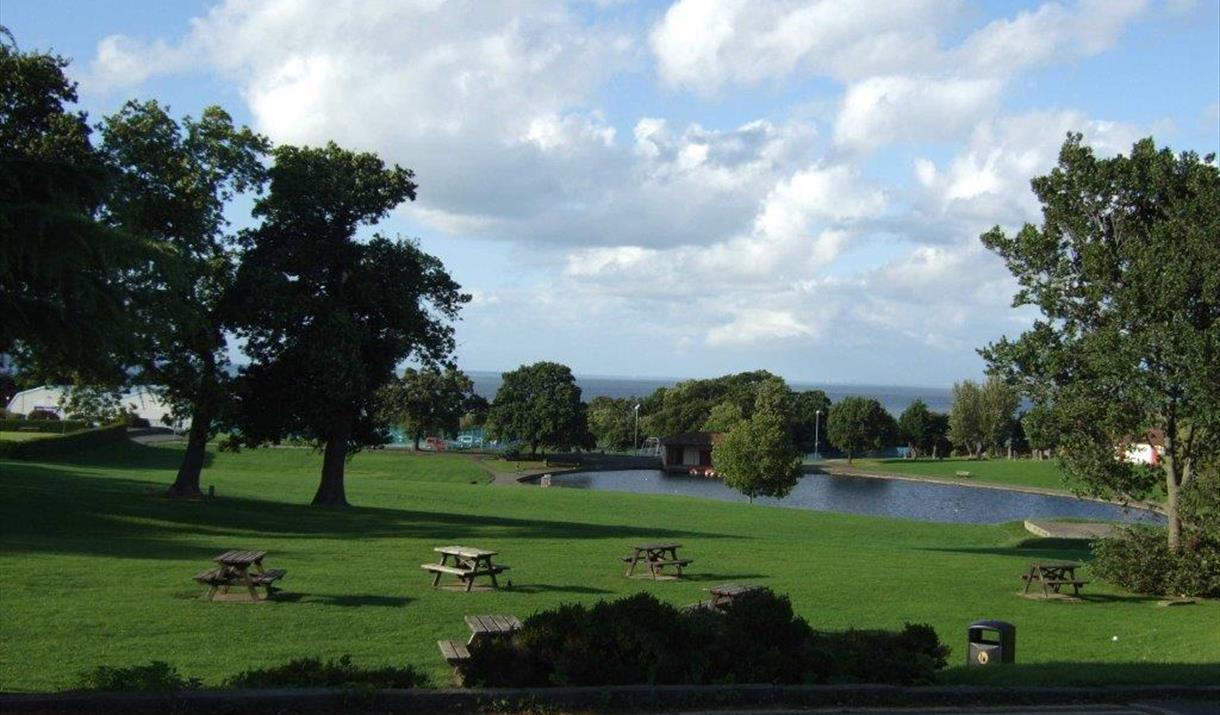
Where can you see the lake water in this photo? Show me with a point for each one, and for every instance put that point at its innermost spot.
(894, 398)
(925, 501)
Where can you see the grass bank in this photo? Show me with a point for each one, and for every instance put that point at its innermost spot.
(96, 569)
(24, 436)
(1044, 474)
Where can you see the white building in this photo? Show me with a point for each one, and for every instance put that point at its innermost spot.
(144, 402)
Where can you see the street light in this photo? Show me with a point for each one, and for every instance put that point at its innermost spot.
(635, 439)
(817, 423)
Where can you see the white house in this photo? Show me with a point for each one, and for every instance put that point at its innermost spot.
(142, 401)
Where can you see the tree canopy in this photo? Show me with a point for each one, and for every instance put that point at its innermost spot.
(539, 405)
(982, 415)
(1125, 271)
(859, 424)
(757, 457)
(172, 182)
(326, 318)
(426, 400)
(58, 262)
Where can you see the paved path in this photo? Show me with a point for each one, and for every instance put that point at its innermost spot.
(1069, 529)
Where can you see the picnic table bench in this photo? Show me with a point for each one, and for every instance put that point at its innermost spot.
(723, 595)
(656, 557)
(234, 569)
(482, 629)
(468, 563)
(1052, 577)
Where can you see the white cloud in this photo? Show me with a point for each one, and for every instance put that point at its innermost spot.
(752, 326)
(881, 110)
(704, 45)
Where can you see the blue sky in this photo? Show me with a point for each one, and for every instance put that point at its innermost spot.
(694, 187)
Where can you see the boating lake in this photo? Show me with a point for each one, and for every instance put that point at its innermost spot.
(924, 501)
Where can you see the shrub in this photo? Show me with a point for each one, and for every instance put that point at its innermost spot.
(63, 444)
(52, 426)
(41, 414)
(157, 676)
(314, 673)
(1139, 561)
(757, 639)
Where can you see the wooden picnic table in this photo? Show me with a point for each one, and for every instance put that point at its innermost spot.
(491, 626)
(467, 564)
(234, 569)
(656, 557)
(723, 595)
(1052, 577)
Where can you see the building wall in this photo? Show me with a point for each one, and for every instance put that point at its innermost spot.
(145, 403)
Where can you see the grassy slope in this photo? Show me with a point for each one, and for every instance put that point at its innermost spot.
(24, 436)
(96, 570)
(1016, 472)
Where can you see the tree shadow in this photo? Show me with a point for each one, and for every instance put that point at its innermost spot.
(1035, 548)
(344, 600)
(45, 509)
(725, 577)
(551, 588)
(130, 455)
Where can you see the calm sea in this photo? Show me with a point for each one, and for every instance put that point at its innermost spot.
(894, 398)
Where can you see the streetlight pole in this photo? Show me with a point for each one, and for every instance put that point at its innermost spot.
(635, 439)
(817, 424)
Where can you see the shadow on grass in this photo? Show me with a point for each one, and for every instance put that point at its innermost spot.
(725, 577)
(1033, 548)
(44, 509)
(552, 588)
(130, 455)
(343, 600)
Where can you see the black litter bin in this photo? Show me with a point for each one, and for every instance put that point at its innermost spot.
(991, 643)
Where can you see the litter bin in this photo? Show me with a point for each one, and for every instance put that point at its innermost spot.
(991, 643)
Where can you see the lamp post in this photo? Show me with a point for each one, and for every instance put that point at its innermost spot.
(817, 424)
(635, 438)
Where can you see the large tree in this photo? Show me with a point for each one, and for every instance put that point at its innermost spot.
(612, 421)
(757, 457)
(540, 406)
(915, 427)
(326, 318)
(982, 415)
(426, 400)
(1125, 270)
(859, 424)
(808, 414)
(64, 296)
(173, 183)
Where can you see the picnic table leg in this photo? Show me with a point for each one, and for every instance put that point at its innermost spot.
(634, 559)
(245, 577)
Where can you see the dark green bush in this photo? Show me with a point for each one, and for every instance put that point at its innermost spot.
(639, 639)
(1139, 560)
(314, 673)
(157, 676)
(54, 426)
(63, 444)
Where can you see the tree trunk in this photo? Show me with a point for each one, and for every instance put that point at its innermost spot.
(334, 459)
(186, 484)
(417, 441)
(1172, 485)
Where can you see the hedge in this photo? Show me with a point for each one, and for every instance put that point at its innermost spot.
(65, 444)
(55, 426)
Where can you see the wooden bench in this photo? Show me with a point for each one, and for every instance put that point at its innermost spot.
(455, 653)
(466, 575)
(212, 577)
(268, 578)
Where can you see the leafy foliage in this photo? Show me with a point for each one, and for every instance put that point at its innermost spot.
(1123, 270)
(58, 262)
(982, 415)
(1140, 561)
(426, 401)
(326, 318)
(612, 421)
(540, 406)
(156, 676)
(172, 182)
(859, 424)
(756, 639)
(333, 673)
(757, 457)
(687, 406)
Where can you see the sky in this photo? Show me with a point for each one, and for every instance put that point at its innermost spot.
(686, 188)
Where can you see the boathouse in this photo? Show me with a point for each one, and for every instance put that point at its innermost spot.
(688, 450)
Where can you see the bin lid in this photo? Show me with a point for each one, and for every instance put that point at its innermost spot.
(995, 625)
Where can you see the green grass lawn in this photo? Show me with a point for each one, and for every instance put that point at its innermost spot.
(1043, 474)
(23, 436)
(96, 567)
